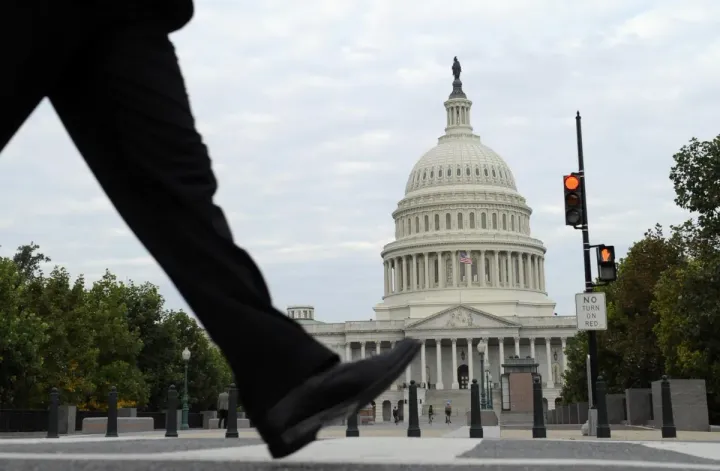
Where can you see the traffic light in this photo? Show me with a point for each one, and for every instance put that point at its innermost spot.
(607, 270)
(573, 200)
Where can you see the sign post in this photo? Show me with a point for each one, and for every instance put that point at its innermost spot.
(591, 311)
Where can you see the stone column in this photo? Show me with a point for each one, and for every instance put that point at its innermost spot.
(415, 281)
(563, 341)
(404, 274)
(468, 270)
(517, 346)
(348, 351)
(542, 273)
(501, 344)
(537, 273)
(471, 370)
(426, 260)
(521, 268)
(455, 384)
(548, 354)
(496, 270)
(423, 365)
(385, 279)
(398, 273)
(532, 348)
(362, 350)
(441, 271)
(378, 345)
(481, 268)
(511, 271)
(454, 269)
(438, 355)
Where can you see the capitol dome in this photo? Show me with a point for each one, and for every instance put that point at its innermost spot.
(462, 231)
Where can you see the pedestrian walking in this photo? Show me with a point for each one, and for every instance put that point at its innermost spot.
(222, 406)
(112, 75)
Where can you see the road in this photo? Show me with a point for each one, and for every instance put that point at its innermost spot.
(208, 452)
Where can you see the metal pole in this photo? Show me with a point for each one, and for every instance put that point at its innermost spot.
(482, 381)
(185, 409)
(592, 335)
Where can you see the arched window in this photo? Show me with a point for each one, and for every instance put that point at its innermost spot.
(448, 221)
(504, 220)
(427, 223)
(417, 224)
(437, 222)
(472, 220)
(512, 222)
(483, 220)
(494, 220)
(460, 221)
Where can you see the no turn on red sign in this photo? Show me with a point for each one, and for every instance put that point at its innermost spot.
(591, 311)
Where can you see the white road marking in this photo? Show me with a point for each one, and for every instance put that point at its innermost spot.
(78, 439)
(709, 451)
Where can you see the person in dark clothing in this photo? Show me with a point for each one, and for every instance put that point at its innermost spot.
(111, 73)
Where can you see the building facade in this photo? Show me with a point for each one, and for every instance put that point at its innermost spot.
(464, 275)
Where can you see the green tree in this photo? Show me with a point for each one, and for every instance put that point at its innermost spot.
(22, 337)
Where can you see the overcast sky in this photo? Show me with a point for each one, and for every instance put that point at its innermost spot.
(316, 111)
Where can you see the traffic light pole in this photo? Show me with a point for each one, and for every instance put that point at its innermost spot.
(592, 335)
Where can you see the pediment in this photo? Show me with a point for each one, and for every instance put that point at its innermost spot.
(462, 317)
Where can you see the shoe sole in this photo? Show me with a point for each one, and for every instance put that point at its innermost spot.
(352, 406)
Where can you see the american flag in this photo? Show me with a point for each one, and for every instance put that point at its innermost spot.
(464, 258)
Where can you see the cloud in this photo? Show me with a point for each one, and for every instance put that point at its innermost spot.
(315, 112)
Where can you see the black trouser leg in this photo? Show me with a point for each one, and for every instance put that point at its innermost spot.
(125, 106)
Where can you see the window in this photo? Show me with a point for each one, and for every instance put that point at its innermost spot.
(460, 221)
(417, 224)
(432, 174)
(448, 221)
(467, 171)
(486, 172)
(425, 174)
(472, 220)
(494, 220)
(512, 222)
(483, 220)
(440, 173)
(458, 173)
(427, 223)
(493, 172)
(437, 222)
(504, 221)
(449, 172)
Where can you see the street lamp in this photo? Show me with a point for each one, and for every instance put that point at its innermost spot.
(185, 409)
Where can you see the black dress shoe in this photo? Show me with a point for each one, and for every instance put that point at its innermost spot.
(332, 395)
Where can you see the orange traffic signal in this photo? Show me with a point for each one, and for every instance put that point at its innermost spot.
(572, 182)
(607, 270)
(573, 200)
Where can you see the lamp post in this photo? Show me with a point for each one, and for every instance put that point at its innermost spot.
(185, 409)
(482, 378)
(489, 387)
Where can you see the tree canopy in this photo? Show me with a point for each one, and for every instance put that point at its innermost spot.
(664, 308)
(56, 331)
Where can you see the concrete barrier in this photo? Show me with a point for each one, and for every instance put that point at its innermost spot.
(125, 424)
(241, 423)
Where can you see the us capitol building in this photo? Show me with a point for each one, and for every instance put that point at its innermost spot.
(464, 275)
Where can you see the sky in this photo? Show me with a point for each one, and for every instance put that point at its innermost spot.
(316, 111)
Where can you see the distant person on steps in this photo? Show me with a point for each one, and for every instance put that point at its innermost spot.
(110, 72)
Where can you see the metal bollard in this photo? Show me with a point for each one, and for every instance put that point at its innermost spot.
(603, 428)
(476, 430)
(413, 421)
(668, 421)
(352, 426)
(232, 430)
(539, 430)
(53, 416)
(112, 418)
(171, 425)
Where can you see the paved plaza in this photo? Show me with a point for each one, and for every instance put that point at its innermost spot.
(379, 448)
